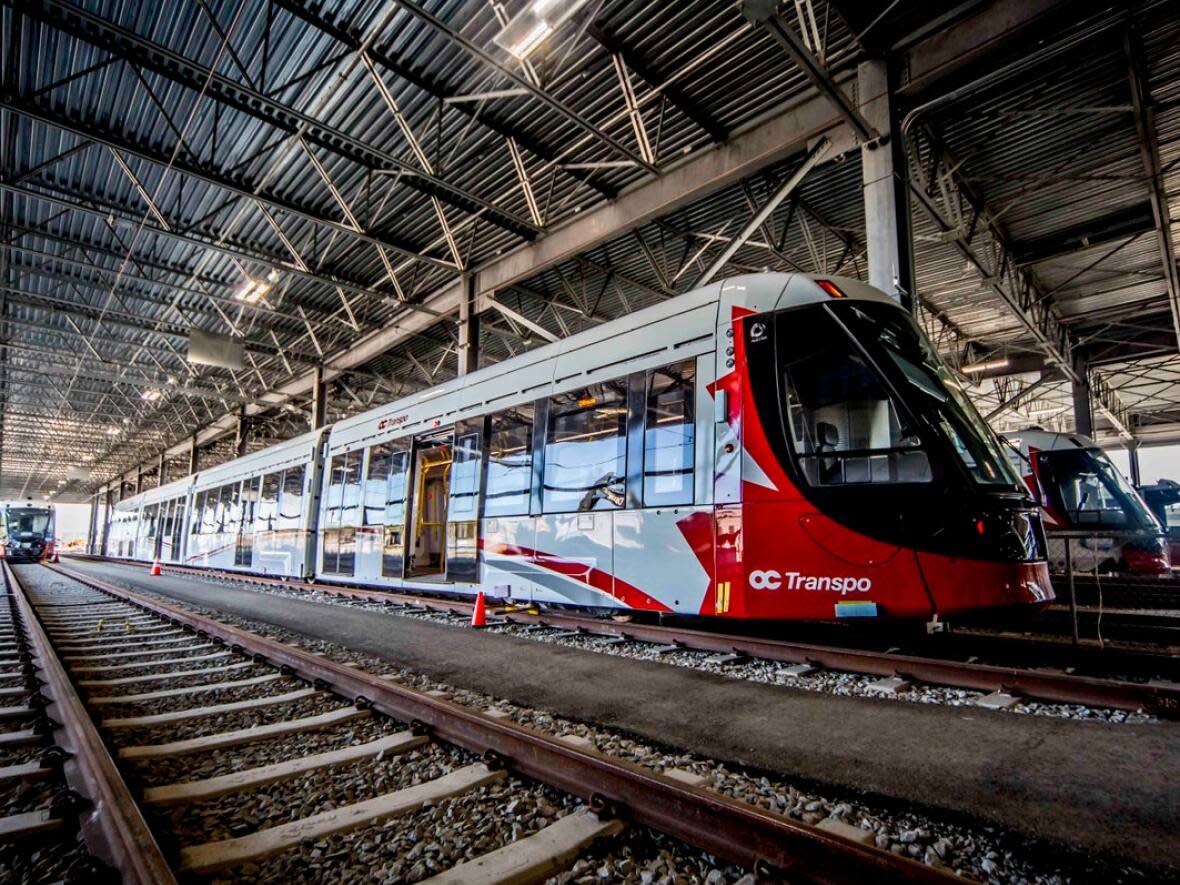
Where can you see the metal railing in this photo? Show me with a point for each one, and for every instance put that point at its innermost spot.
(1111, 571)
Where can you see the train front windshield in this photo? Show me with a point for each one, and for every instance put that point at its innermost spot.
(1087, 489)
(28, 522)
(868, 402)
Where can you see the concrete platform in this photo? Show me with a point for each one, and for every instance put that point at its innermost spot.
(1101, 788)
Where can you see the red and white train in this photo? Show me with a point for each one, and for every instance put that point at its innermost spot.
(771, 446)
(1089, 505)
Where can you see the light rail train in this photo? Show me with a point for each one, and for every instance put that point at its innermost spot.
(1087, 504)
(28, 532)
(773, 446)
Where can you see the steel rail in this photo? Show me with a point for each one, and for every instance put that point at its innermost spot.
(773, 846)
(113, 827)
(1161, 698)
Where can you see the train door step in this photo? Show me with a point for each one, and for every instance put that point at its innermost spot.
(725, 659)
(892, 685)
(998, 700)
(797, 670)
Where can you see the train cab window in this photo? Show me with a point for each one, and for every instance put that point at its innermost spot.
(845, 426)
(669, 438)
(291, 502)
(586, 449)
(510, 463)
(376, 483)
(268, 502)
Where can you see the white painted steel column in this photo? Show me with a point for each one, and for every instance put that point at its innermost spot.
(888, 232)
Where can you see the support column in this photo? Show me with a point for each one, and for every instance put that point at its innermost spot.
(139, 479)
(885, 173)
(319, 400)
(1133, 462)
(162, 470)
(242, 435)
(1083, 417)
(193, 455)
(468, 328)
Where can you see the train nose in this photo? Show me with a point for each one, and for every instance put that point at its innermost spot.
(962, 585)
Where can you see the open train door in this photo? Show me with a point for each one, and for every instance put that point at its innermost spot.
(463, 507)
(426, 535)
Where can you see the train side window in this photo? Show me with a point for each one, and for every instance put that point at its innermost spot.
(195, 518)
(233, 507)
(669, 438)
(335, 499)
(249, 504)
(395, 490)
(290, 504)
(209, 514)
(268, 501)
(586, 449)
(376, 484)
(510, 463)
(351, 491)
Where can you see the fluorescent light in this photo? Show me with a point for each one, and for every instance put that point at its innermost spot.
(986, 366)
(529, 28)
(151, 395)
(252, 291)
(112, 431)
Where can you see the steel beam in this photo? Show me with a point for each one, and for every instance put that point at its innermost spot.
(468, 329)
(658, 82)
(813, 156)
(764, 14)
(137, 50)
(1149, 152)
(166, 158)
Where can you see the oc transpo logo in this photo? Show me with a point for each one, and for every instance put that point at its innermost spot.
(769, 579)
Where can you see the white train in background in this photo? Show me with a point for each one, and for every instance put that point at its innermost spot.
(1087, 503)
(772, 446)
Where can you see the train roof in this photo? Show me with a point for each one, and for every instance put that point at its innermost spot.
(292, 451)
(679, 328)
(1048, 440)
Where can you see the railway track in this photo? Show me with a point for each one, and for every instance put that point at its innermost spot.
(214, 734)
(1019, 666)
(1058, 673)
(39, 816)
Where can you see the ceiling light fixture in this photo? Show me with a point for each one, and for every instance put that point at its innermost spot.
(985, 366)
(254, 291)
(151, 395)
(529, 28)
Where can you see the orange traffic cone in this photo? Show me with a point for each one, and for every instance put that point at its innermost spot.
(156, 567)
(479, 617)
